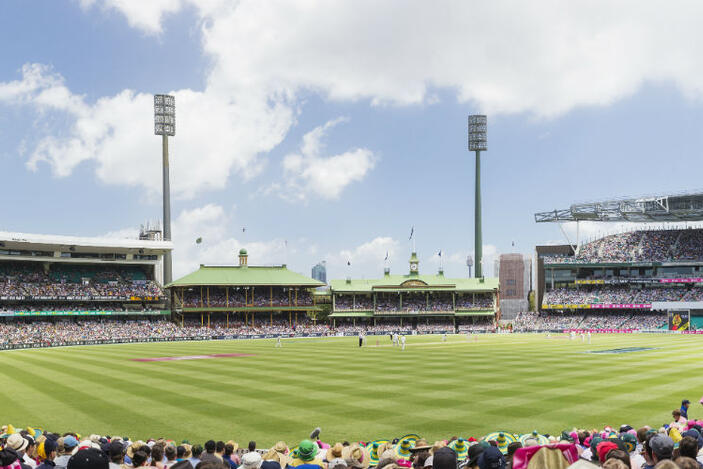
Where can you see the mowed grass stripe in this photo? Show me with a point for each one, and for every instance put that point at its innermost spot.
(515, 382)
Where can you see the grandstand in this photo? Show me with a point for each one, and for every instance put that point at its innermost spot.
(415, 301)
(46, 275)
(245, 295)
(630, 274)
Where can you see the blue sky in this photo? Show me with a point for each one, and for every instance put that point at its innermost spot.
(337, 127)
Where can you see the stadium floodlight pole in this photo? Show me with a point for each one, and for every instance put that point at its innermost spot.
(165, 125)
(478, 143)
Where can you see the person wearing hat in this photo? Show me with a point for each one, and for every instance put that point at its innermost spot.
(50, 447)
(276, 457)
(472, 456)
(306, 456)
(491, 458)
(662, 447)
(90, 458)
(444, 458)
(115, 450)
(251, 460)
(684, 408)
(334, 452)
(355, 456)
(19, 445)
(9, 458)
(402, 449)
(69, 443)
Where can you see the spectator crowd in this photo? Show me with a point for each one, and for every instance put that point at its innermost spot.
(550, 321)
(26, 280)
(620, 294)
(639, 246)
(675, 445)
(236, 297)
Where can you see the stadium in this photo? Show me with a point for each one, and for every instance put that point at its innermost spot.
(93, 338)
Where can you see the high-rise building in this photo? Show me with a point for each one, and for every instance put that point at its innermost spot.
(514, 272)
(319, 271)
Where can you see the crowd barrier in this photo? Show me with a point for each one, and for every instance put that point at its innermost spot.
(191, 338)
(324, 334)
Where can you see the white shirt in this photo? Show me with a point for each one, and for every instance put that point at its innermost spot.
(29, 461)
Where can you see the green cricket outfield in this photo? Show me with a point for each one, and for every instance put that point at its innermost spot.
(464, 387)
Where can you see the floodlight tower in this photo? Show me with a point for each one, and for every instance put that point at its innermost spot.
(478, 143)
(165, 125)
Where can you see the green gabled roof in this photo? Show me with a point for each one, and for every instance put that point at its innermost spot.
(244, 276)
(433, 282)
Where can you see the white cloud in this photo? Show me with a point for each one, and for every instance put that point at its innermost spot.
(366, 258)
(541, 57)
(145, 15)
(210, 223)
(544, 57)
(309, 172)
(117, 134)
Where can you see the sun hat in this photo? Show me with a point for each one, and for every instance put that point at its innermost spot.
(355, 456)
(460, 447)
(278, 453)
(134, 447)
(413, 437)
(539, 439)
(372, 451)
(402, 449)
(335, 452)
(307, 450)
(503, 439)
(17, 442)
(251, 460)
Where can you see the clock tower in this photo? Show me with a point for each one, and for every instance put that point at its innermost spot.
(414, 264)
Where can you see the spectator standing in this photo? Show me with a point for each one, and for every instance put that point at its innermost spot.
(684, 408)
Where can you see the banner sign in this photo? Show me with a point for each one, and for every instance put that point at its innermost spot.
(621, 306)
(682, 280)
(679, 320)
(81, 313)
(80, 298)
(599, 306)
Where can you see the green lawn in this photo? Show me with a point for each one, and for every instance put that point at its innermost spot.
(515, 383)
